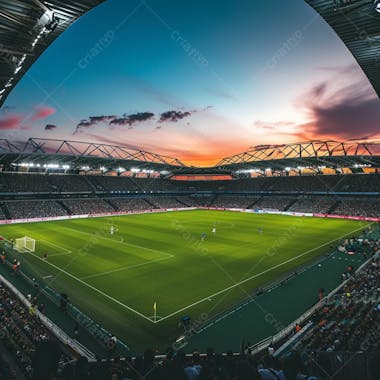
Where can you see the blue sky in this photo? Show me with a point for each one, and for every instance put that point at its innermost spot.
(198, 79)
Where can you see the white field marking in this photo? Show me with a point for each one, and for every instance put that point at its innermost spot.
(254, 276)
(67, 251)
(59, 254)
(120, 242)
(48, 276)
(124, 268)
(93, 288)
(152, 318)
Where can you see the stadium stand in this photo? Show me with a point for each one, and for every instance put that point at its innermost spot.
(329, 183)
(22, 332)
(14, 182)
(165, 202)
(43, 183)
(34, 209)
(275, 202)
(28, 182)
(131, 204)
(178, 366)
(352, 195)
(150, 184)
(2, 215)
(87, 206)
(297, 184)
(189, 201)
(315, 204)
(358, 207)
(69, 183)
(113, 184)
(232, 201)
(349, 321)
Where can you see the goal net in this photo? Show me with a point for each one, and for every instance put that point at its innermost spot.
(25, 244)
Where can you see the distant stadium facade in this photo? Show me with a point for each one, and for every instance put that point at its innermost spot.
(68, 178)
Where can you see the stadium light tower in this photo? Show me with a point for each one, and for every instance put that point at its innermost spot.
(377, 5)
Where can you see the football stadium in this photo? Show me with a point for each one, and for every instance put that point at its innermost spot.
(131, 249)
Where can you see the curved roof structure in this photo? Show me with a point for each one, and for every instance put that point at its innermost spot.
(357, 23)
(76, 155)
(313, 153)
(27, 28)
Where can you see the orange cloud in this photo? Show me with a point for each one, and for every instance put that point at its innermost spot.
(10, 122)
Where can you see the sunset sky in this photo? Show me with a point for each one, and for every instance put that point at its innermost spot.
(198, 80)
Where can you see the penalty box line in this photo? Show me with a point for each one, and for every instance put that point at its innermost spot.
(65, 250)
(254, 276)
(125, 268)
(120, 242)
(93, 288)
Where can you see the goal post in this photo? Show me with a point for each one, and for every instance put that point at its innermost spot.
(25, 244)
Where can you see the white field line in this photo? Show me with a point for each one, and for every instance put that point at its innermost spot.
(93, 288)
(59, 254)
(67, 251)
(124, 268)
(120, 242)
(254, 276)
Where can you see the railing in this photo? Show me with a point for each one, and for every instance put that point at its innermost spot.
(100, 334)
(264, 289)
(52, 327)
(265, 343)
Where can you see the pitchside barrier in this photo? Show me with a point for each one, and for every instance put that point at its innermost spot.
(265, 289)
(271, 340)
(97, 215)
(121, 213)
(53, 328)
(100, 334)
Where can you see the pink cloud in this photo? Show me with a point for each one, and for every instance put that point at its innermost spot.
(42, 112)
(10, 122)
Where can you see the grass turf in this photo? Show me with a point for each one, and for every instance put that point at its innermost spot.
(161, 258)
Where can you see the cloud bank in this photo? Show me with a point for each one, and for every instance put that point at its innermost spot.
(134, 119)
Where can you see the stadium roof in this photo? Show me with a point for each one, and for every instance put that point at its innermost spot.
(76, 155)
(81, 154)
(314, 154)
(357, 23)
(27, 28)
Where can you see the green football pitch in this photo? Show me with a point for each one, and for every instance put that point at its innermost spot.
(160, 258)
